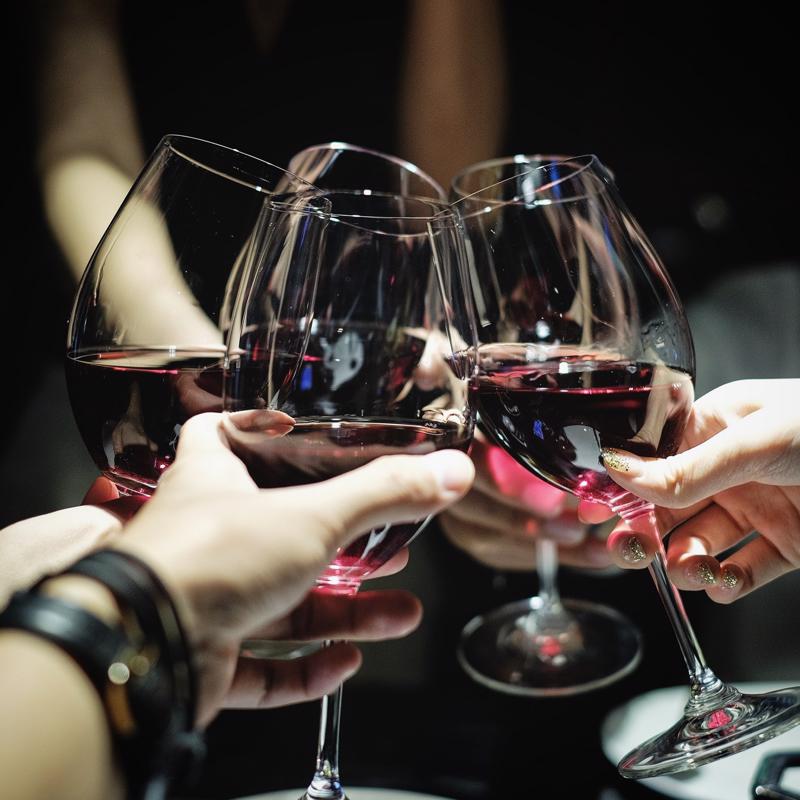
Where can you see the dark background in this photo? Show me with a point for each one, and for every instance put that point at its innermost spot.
(694, 111)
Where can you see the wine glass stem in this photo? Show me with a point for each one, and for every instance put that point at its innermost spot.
(706, 689)
(325, 785)
(547, 572)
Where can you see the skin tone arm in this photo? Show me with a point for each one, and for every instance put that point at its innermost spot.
(232, 580)
(453, 98)
(89, 149)
(89, 153)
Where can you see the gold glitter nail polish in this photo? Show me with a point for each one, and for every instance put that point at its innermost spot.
(615, 461)
(730, 580)
(700, 572)
(632, 550)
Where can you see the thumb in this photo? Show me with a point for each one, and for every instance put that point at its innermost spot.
(397, 488)
(747, 451)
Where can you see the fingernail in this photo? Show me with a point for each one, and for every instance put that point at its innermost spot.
(452, 470)
(701, 574)
(729, 579)
(632, 550)
(619, 461)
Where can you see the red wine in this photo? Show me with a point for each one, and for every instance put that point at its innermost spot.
(357, 368)
(556, 415)
(315, 449)
(129, 406)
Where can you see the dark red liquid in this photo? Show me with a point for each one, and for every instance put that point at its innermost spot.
(129, 407)
(320, 448)
(355, 368)
(556, 416)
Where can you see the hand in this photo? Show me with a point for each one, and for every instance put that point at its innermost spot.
(497, 522)
(738, 471)
(240, 561)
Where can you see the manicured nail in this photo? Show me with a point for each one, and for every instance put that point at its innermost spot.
(701, 574)
(632, 550)
(618, 460)
(729, 579)
(452, 470)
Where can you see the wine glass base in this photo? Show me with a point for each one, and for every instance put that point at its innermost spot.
(745, 721)
(354, 793)
(608, 647)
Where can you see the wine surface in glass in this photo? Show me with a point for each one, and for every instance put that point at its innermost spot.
(556, 415)
(129, 406)
(315, 449)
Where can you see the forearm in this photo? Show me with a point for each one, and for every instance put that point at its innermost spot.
(59, 744)
(88, 149)
(453, 97)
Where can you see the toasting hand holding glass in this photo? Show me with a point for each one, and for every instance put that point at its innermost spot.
(738, 470)
(585, 350)
(340, 313)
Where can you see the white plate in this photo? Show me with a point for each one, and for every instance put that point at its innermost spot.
(727, 779)
(353, 792)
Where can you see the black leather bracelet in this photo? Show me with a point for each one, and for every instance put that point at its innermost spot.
(94, 645)
(136, 587)
(115, 666)
(165, 747)
(143, 671)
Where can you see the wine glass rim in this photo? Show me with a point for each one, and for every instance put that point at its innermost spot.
(586, 161)
(294, 202)
(401, 162)
(501, 161)
(172, 141)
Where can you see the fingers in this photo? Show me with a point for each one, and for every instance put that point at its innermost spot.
(364, 617)
(593, 513)
(101, 491)
(267, 684)
(755, 448)
(397, 563)
(754, 565)
(507, 482)
(692, 547)
(204, 459)
(515, 550)
(104, 493)
(634, 543)
(201, 435)
(510, 553)
(771, 510)
(389, 489)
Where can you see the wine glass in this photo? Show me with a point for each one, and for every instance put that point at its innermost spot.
(339, 165)
(543, 645)
(585, 346)
(146, 339)
(384, 362)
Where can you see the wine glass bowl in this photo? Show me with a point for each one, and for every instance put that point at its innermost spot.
(534, 275)
(352, 338)
(340, 165)
(146, 339)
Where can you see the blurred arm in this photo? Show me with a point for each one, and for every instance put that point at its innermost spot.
(453, 95)
(88, 150)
